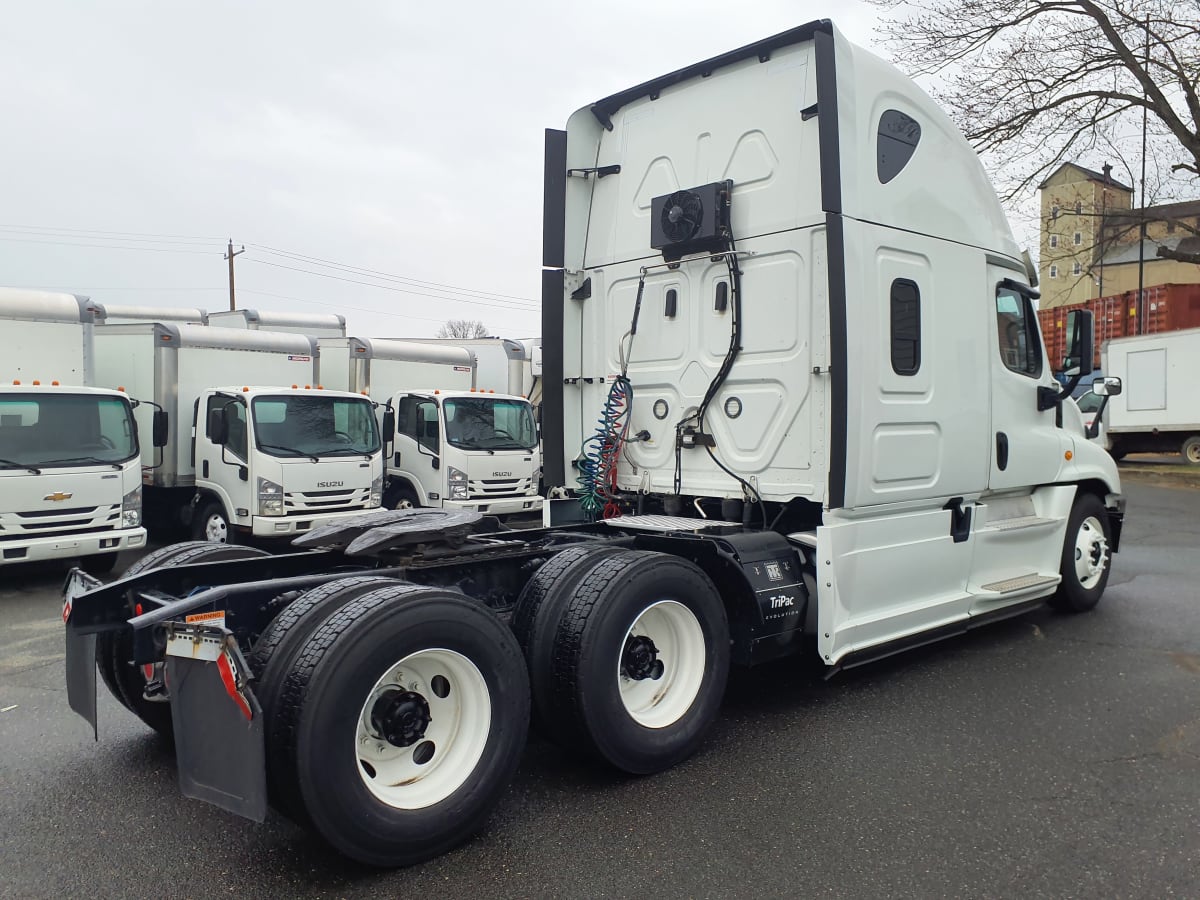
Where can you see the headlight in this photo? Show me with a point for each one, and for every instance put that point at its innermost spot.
(376, 496)
(270, 498)
(456, 479)
(131, 508)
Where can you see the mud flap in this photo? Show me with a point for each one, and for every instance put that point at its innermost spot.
(218, 721)
(81, 676)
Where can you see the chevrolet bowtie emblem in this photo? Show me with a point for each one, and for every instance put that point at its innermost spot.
(58, 496)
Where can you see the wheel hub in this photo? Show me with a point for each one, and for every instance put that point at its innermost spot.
(640, 659)
(400, 717)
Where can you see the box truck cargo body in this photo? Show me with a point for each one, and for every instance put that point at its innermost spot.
(125, 314)
(70, 476)
(294, 456)
(795, 401)
(1159, 409)
(312, 324)
(501, 364)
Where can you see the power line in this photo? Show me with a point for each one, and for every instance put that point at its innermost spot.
(383, 287)
(108, 246)
(385, 276)
(326, 304)
(96, 232)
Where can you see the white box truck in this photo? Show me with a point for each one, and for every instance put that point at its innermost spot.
(784, 310)
(254, 446)
(501, 364)
(311, 324)
(1159, 408)
(70, 473)
(447, 444)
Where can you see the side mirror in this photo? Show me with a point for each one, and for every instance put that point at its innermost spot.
(218, 426)
(158, 428)
(389, 423)
(1081, 347)
(1106, 387)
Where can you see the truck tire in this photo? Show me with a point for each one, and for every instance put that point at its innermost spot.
(641, 657)
(401, 496)
(1191, 450)
(114, 649)
(430, 687)
(211, 524)
(271, 659)
(1085, 558)
(539, 609)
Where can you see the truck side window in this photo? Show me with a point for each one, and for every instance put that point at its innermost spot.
(895, 143)
(906, 327)
(237, 424)
(426, 420)
(1016, 325)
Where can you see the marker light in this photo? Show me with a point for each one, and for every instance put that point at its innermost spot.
(1068, 455)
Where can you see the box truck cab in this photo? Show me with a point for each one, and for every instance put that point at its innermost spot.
(281, 460)
(464, 450)
(275, 462)
(70, 476)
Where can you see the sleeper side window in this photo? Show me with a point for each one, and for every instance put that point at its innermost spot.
(1016, 324)
(906, 327)
(895, 144)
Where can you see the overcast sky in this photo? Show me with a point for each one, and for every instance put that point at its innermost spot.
(396, 137)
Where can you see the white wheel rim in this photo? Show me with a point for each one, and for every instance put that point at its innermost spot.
(678, 645)
(216, 529)
(1192, 453)
(440, 760)
(1091, 552)
(405, 504)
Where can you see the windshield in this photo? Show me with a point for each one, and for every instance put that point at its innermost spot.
(1089, 402)
(489, 423)
(315, 425)
(65, 429)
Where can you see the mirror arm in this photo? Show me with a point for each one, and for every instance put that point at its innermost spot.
(1094, 429)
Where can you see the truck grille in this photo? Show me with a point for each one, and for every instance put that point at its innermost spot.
(17, 526)
(305, 503)
(499, 487)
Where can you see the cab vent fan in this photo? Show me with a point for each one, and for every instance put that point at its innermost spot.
(695, 220)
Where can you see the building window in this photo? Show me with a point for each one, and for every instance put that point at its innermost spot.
(1077, 269)
(1078, 238)
(1170, 226)
(906, 327)
(1054, 211)
(1054, 271)
(1016, 325)
(1078, 207)
(1053, 241)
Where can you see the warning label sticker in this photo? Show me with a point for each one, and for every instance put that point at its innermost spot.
(295, 358)
(216, 617)
(462, 368)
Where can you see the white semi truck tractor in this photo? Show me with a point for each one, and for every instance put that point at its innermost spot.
(256, 447)
(70, 471)
(796, 403)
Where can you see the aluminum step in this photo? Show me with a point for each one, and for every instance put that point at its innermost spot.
(1019, 583)
(1018, 523)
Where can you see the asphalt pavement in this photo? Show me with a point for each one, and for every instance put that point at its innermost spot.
(1046, 756)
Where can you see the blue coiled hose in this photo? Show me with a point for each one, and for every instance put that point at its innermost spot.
(600, 452)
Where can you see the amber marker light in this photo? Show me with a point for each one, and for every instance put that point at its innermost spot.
(1068, 455)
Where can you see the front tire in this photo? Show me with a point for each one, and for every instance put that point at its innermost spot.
(641, 658)
(407, 711)
(212, 524)
(402, 496)
(1086, 556)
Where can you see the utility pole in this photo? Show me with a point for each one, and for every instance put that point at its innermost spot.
(229, 256)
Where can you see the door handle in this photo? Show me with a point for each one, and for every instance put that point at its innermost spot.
(1001, 450)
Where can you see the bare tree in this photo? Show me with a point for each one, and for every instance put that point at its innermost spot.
(1034, 83)
(463, 329)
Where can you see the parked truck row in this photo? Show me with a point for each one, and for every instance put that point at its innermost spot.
(795, 401)
(232, 433)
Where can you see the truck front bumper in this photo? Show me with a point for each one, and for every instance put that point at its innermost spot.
(285, 526)
(71, 546)
(499, 506)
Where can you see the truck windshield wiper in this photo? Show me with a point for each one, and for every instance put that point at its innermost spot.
(292, 450)
(13, 464)
(81, 459)
(343, 451)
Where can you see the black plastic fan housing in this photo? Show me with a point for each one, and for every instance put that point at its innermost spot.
(693, 220)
